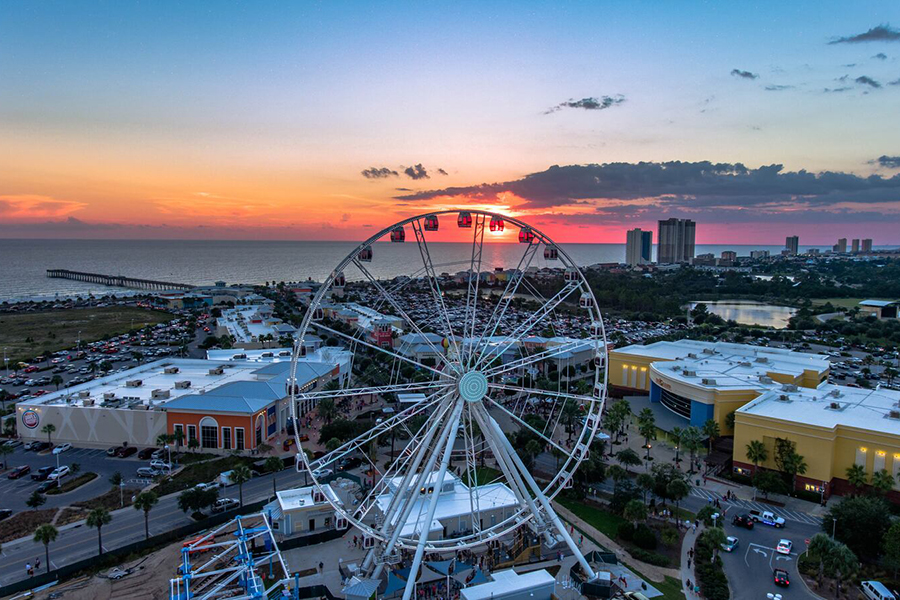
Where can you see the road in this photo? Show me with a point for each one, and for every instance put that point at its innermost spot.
(78, 542)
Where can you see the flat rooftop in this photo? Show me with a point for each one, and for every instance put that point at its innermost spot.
(831, 406)
(684, 349)
(303, 497)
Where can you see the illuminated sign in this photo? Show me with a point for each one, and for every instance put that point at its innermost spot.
(30, 419)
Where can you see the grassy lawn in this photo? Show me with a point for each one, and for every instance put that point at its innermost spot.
(838, 302)
(111, 500)
(671, 588)
(28, 335)
(605, 522)
(482, 474)
(72, 484)
(204, 472)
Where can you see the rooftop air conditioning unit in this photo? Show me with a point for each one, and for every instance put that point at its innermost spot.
(709, 381)
(689, 373)
(691, 355)
(88, 402)
(834, 406)
(134, 383)
(217, 371)
(182, 385)
(762, 359)
(835, 393)
(765, 379)
(789, 387)
(171, 370)
(109, 396)
(745, 363)
(159, 394)
(784, 398)
(84, 394)
(708, 351)
(894, 414)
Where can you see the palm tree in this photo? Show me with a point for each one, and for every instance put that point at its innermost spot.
(617, 474)
(45, 534)
(646, 482)
(98, 518)
(145, 501)
(332, 444)
(757, 453)
(240, 475)
(327, 409)
(49, 428)
(5, 451)
(857, 477)
(628, 458)
(677, 490)
(794, 464)
(690, 439)
(820, 547)
(57, 381)
(273, 464)
(647, 428)
(842, 563)
(711, 431)
(716, 536)
(882, 481)
(676, 434)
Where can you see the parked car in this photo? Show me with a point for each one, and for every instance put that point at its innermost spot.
(875, 590)
(784, 547)
(40, 446)
(41, 489)
(62, 448)
(113, 451)
(42, 473)
(147, 472)
(159, 454)
(745, 521)
(730, 544)
(781, 578)
(19, 472)
(348, 462)
(160, 465)
(12, 443)
(5, 513)
(126, 451)
(321, 473)
(146, 453)
(223, 504)
(58, 473)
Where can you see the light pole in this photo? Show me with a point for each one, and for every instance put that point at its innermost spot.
(58, 474)
(833, 526)
(121, 494)
(6, 361)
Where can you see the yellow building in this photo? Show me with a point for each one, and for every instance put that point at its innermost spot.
(688, 382)
(833, 427)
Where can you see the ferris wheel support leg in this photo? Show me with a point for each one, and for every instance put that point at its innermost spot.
(539, 494)
(435, 494)
(406, 502)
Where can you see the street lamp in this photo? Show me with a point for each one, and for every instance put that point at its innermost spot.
(714, 517)
(833, 526)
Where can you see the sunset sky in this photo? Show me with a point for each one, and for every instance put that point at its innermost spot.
(269, 120)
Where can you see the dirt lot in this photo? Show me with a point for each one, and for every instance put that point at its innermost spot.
(149, 580)
(29, 334)
(24, 523)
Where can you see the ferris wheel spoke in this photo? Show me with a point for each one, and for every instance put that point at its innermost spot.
(378, 348)
(435, 287)
(472, 482)
(362, 391)
(537, 392)
(529, 323)
(531, 359)
(474, 284)
(509, 292)
(396, 306)
(523, 423)
(360, 441)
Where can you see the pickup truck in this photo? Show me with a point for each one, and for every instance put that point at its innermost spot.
(767, 518)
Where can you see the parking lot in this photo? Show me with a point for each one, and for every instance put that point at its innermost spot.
(15, 492)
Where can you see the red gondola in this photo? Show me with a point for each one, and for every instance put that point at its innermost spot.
(464, 221)
(551, 253)
(365, 255)
(318, 314)
(339, 280)
(526, 235)
(496, 224)
(431, 223)
(398, 234)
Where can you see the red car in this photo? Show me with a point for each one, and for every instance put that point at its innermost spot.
(781, 578)
(19, 472)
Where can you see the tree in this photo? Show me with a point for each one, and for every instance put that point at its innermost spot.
(332, 444)
(647, 428)
(757, 453)
(646, 483)
(5, 451)
(35, 500)
(882, 481)
(49, 428)
(635, 511)
(532, 449)
(116, 479)
(820, 547)
(273, 464)
(628, 458)
(769, 482)
(240, 475)
(676, 434)
(677, 490)
(193, 444)
(705, 515)
(327, 409)
(145, 501)
(196, 499)
(98, 518)
(57, 381)
(711, 431)
(862, 522)
(716, 537)
(691, 439)
(891, 547)
(615, 418)
(617, 474)
(841, 563)
(794, 464)
(46, 534)
(857, 477)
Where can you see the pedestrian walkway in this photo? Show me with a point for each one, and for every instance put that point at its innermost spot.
(738, 504)
(687, 562)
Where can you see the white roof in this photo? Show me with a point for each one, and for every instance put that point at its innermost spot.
(878, 303)
(299, 498)
(508, 583)
(831, 406)
(682, 349)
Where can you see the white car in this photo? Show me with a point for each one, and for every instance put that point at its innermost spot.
(320, 473)
(58, 473)
(784, 547)
(213, 485)
(147, 472)
(62, 448)
(160, 465)
(223, 504)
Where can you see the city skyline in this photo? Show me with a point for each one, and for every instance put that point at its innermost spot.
(320, 123)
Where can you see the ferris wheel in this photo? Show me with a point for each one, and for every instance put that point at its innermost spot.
(475, 357)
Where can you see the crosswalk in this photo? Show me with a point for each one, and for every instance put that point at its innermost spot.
(788, 515)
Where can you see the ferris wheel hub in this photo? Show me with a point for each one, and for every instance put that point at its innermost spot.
(473, 386)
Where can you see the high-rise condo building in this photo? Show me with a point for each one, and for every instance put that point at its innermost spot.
(676, 241)
(759, 254)
(867, 245)
(638, 247)
(792, 244)
(841, 246)
(729, 255)
(854, 246)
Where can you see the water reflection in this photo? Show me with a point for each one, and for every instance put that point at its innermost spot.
(747, 312)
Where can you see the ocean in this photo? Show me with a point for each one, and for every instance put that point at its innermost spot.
(23, 263)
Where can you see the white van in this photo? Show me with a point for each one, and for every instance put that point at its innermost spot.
(875, 590)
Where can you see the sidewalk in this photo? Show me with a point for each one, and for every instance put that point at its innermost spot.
(687, 572)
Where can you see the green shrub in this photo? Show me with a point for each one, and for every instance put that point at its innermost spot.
(651, 558)
(625, 532)
(710, 575)
(670, 537)
(644, 537)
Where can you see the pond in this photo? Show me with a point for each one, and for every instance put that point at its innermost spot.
(748, 312)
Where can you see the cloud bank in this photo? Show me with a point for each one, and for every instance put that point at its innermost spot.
(744, 74)
(881, 33)
(379, 173)
(592, 103)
